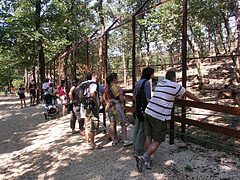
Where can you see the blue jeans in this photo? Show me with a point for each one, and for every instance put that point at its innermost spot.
(139, 137)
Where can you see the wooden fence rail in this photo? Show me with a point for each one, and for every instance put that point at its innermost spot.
(206, 126)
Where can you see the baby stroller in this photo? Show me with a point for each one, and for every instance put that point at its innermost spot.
(51, 107)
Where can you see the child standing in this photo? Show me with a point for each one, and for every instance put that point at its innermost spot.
(21, 93)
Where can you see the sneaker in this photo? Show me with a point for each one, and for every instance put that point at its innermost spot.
(148, 164)
(127, 143)
(114, 143)
(139, 160)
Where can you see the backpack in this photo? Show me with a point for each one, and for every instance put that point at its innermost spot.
(84, 93)
(141, 103)
(75, 97)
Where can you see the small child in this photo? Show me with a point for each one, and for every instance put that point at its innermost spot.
(21, 93)
(114, 97)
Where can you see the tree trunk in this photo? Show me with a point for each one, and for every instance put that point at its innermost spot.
(65, 68)
(217, 52)
(148, 46)
(74, 64)
(237, 50)
(171, 55)
(102, 37)
(221, 37)
(40, 47)
(229, 34)
(196, 53)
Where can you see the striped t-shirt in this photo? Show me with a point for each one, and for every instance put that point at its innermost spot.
(161, 104)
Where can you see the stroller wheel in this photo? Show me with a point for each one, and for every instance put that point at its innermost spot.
(45, 115)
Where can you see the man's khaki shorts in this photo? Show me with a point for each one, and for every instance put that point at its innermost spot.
(92, 119)
(155, 128)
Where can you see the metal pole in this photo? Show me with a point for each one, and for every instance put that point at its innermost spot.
(133, 52)
(59, 71)
(184, 60)
(106, 57)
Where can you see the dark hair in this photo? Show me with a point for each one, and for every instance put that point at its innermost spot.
(108, 80)
(170, 75)
(46, 80)
(147, 73)
(75, 82)
(113, 75)
(62, 82)
(89, 76)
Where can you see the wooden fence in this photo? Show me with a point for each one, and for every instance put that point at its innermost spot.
(203, 125)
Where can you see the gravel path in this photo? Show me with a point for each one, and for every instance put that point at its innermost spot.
(32, 148)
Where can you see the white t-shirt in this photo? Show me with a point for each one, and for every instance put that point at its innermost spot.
(45, 86)
(161, 104)
(93, 89)
(51, 90)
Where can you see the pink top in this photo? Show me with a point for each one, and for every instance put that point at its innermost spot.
(61, 90)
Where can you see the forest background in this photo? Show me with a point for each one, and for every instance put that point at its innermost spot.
(32, 32)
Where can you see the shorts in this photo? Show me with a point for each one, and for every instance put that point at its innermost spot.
(120, 116)
(92, 119)
(63, 99)
(32, 95)
(155, 128)
(21, 95)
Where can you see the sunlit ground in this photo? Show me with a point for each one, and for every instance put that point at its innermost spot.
(33, 148)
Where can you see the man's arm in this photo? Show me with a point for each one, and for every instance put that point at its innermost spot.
(191, 96)
(94, 98)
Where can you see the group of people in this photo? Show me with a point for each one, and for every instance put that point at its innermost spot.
(87, 114)
(153, 114)
(21, 93)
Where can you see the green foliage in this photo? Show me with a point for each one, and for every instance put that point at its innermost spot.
(66, 22)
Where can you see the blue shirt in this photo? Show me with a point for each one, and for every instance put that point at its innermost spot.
(147, 88)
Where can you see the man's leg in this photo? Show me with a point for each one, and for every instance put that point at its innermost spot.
(63, 109)
(21, 103)
(34, 97)
(124, 131)
(152, 148)
(139, 138)
(148, 141)
(31, 99)
(73, 121)
(91, 137)
(112, 130)
(24, 102)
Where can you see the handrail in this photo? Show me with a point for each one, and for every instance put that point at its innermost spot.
(209, 106)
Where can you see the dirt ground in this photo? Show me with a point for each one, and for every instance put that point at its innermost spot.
(33, 148)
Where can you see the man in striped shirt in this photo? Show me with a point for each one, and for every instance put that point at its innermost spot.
(157, 113)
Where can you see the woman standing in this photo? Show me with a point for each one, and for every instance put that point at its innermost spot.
(62, 96)
(141, 95)
(21, 93)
